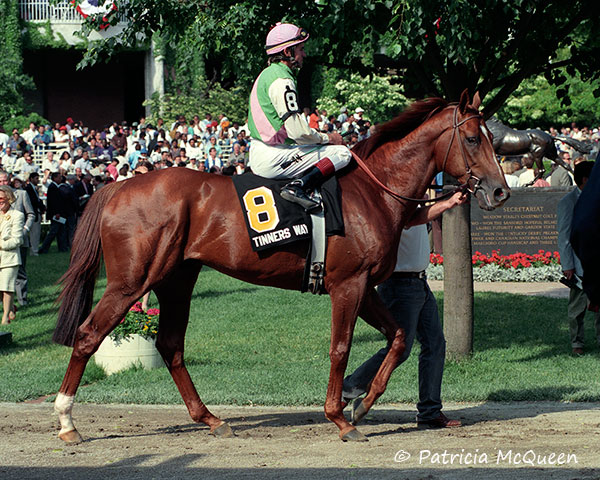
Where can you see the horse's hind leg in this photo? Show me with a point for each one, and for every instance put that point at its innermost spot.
(174, 297)
(108, 313)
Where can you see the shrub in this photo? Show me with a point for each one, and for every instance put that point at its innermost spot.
(21, 122)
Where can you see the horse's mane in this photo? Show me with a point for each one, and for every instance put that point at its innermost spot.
(402, 125)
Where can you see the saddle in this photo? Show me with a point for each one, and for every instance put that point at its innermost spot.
(272, 221)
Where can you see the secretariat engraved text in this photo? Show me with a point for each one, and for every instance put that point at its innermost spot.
(529, 458)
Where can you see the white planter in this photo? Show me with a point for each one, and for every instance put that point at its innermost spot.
(115, 356)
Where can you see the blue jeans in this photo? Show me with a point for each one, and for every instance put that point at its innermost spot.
(414, 309)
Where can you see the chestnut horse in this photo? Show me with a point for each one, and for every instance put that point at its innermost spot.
(157, 230)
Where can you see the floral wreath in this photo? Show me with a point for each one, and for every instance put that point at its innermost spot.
(96, 12)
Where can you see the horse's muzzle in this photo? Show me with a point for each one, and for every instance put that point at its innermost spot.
(490, 199)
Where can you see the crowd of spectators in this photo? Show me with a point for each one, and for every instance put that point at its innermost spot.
(113, 153)
(74, 160)
(90, 158)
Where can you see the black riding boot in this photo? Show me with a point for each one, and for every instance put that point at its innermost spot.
(297, 190)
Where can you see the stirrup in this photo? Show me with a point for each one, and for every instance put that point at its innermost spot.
(293, 192)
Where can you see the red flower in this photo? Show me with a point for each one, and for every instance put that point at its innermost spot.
(137, 307)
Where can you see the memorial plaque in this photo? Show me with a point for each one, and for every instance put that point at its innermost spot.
(526, 223)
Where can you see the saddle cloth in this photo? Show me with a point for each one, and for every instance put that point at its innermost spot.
(272, 221)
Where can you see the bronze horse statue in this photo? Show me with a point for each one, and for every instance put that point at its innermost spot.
(195, 221)
(536, 143)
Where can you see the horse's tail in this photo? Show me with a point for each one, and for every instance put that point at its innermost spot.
(578, 145)
(79, 280)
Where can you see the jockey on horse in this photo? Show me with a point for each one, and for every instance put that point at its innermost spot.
(283, 145)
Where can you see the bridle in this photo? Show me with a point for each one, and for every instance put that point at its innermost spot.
(464, 187)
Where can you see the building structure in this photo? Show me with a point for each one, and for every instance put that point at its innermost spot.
(97, 95)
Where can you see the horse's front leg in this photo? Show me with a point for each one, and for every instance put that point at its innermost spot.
(345, 304)
(376, 314)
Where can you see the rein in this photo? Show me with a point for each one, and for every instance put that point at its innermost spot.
(463, 187)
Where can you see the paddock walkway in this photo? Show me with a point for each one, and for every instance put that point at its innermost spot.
(541, 289)
(498, 441)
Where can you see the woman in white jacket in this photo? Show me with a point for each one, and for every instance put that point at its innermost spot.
(11, 237)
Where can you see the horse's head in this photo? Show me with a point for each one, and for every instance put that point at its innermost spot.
(466, 152)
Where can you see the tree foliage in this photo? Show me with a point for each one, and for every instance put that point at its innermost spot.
(380, 99)
(12, 79)
(21, 122)
(200, 101)
(435, 47)
(535, 104)
(492, 46)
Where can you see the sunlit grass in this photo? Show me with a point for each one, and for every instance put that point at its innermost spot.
(256, 345)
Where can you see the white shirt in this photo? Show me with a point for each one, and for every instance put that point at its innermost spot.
(66, 165)
(29, 167)
(85, 165)
(213, 162)
(3, 140)
(526, 177)
(9, 162)
(61, 137)
(29, 135)
(193, 152)
(75, 133)
(53, 166)
(413, 250)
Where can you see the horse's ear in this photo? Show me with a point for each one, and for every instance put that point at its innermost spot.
(464, 101)
(476, 100)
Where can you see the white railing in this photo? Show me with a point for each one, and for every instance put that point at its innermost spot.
(42, 10)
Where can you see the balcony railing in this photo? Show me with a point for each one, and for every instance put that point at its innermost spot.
(42, 10)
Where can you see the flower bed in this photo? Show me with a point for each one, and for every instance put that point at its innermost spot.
(518, 267)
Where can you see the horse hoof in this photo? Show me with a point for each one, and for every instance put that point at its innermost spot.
(354, 436)
(71, 437)
(223, 431)
(358, 411)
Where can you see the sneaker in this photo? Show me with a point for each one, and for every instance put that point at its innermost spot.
(578, 352)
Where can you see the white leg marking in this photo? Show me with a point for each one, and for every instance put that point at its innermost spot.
(63, 406)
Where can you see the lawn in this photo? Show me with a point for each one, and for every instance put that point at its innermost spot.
(256, 345)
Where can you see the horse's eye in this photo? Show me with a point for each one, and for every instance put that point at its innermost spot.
(473, 140)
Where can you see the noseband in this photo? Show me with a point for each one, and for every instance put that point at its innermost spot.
(468, 171)
(465, 187)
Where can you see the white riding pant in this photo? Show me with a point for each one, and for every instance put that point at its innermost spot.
(266, 160)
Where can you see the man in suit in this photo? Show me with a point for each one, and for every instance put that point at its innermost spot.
(54, 208)
(38, 207)
(83, 191)
(571, 265)
(585, 235)
(560, 176)
(69, 207)
(23, 205)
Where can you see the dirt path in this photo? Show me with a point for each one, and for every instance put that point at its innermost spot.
(497, 441)
(541, 289)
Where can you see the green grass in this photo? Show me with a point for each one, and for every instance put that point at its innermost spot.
(255, 345)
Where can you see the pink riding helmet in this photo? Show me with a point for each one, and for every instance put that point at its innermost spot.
(284, 35)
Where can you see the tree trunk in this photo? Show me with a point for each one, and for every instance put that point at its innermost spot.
(458, 282)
